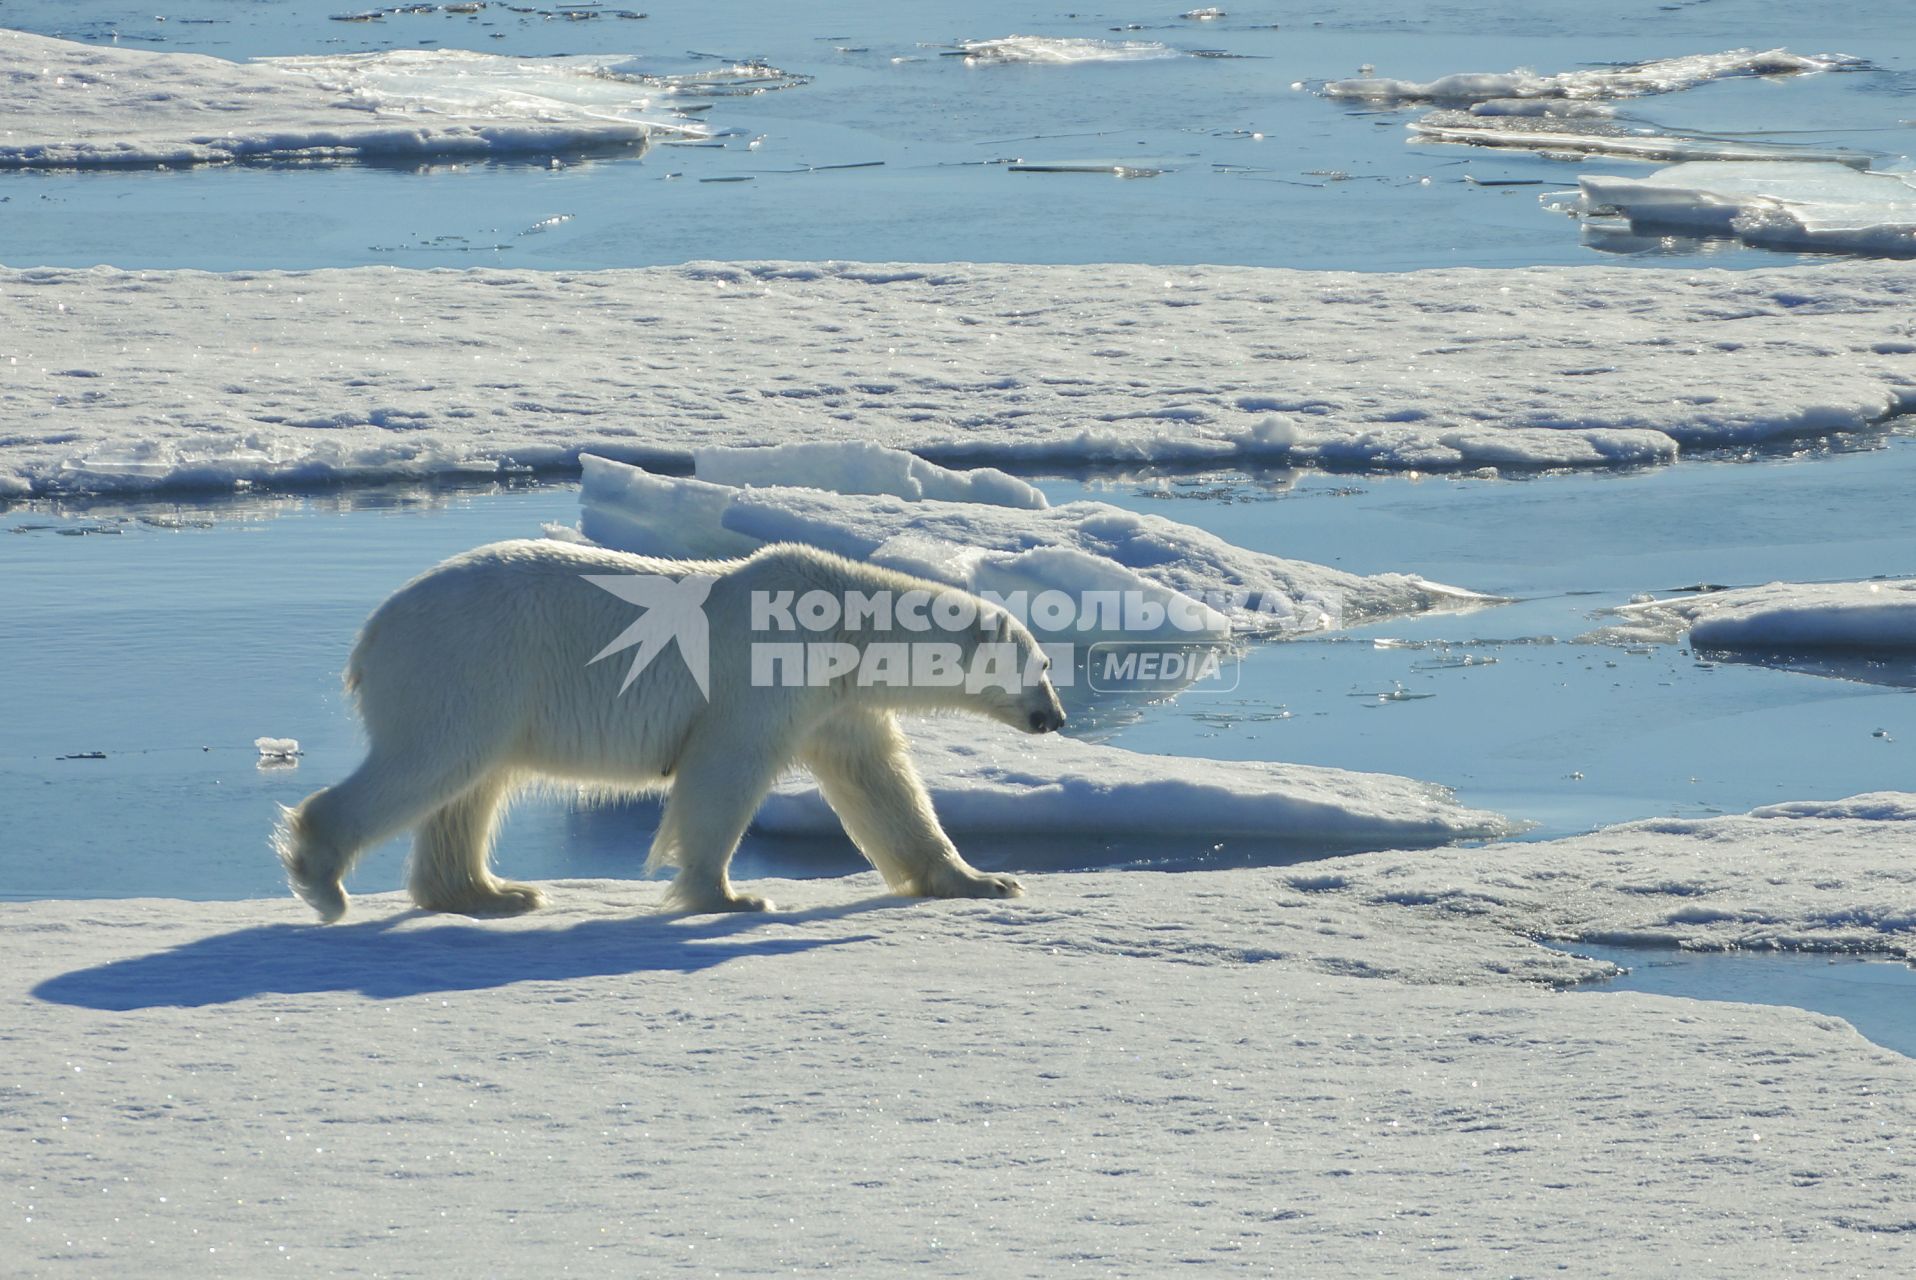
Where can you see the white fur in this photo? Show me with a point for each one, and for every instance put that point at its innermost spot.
(476, 677)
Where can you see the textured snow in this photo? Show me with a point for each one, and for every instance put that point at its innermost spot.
(998, 783)
(115, 380)
(1124, 1072)
(1827, 207)
(1064, 50)
(72, 104)
(1824, 876)
(1078, 547)
(1779, 616)
(1664, 75)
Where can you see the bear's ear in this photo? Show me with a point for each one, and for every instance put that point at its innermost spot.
(994, 626)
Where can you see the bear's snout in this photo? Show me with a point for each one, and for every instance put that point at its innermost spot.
(1049, 720)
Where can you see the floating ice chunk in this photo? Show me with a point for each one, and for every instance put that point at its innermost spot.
(1064, 49)
(1665, 75)
(1780, 616)
(75, 104)
(1561, 135)
(1079, 547)
(858, 466)
(1818, 206)
(1054, 785)
(277, 751)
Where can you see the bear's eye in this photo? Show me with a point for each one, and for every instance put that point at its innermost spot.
(1047, 664)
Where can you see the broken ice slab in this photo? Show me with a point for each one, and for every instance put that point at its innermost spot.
(1664, 75)
(1577, 138)
(1817, 206)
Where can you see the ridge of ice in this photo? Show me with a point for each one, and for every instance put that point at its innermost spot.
(1078, 547)
(861, 466)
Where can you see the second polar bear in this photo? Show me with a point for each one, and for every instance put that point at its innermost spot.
(484, 674)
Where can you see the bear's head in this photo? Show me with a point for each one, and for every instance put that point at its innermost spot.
(1024, 698)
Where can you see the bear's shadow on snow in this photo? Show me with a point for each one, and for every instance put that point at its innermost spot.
(380, 961)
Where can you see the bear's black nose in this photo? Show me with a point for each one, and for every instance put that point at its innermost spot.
(1046, 722)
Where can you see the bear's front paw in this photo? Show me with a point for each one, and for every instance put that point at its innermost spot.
(963, 882)
(500, 898)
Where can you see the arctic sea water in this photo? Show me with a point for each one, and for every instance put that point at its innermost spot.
(165, 636)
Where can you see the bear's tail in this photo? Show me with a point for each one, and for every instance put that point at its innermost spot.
(313, 867)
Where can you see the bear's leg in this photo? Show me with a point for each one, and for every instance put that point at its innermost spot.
(320, 838)
(450, 851)
(863, 766)
(716, 788)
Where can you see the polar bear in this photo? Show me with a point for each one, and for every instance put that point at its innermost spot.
(485, 673)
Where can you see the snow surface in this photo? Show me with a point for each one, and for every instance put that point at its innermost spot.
(1131, 1073)
(1064, 50)
(1826, 207)
(71, 104)
(1664, 75)
(1077, 548)
(987, 782)
(115, 380)
(1813, 875)
(1781, 616)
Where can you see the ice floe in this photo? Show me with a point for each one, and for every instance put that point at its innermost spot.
(281, 378)
(1058, 788)
(1822, 207)
(72, 104)
(1077, 548)
(1780, 616)
(1664, 75)
(1825, 876)
(1063, 50)
(1145, 1056)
